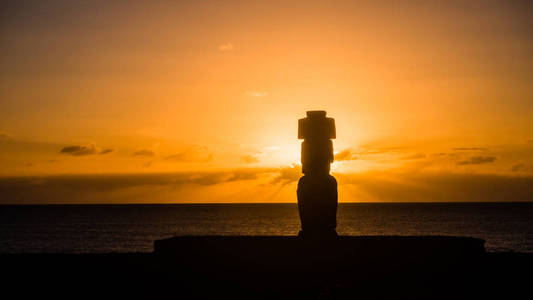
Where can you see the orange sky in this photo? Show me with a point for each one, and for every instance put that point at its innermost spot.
(198, 101)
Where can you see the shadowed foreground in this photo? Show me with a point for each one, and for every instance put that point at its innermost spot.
(288, 267)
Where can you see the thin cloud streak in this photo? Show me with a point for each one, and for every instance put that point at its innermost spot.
(257, 94)
(470, 149)
(414, 156)
(226, 47)
(82, 150)
(192, 154)
(345, 155)
(477, 160)
(4, 136)
(144, 152)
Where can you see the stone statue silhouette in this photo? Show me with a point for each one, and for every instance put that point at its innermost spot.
(317, 189)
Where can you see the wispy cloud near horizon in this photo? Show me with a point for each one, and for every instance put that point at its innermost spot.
(257, 94)
(226, 47)
(82, 150)
(367, 186)
(477, 160)
(144, 152)
(4, 135)
(470, 149)
(346, 155)
(194, 153)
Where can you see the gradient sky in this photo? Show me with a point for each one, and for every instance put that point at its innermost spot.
(198, 101)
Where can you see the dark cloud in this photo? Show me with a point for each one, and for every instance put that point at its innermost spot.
(436, 187)
(144, 152)
(477, 160)
(4, 136)
(518, 167)
(105, 151)
(112, 187)
(250, 159)
(470, 149)
(414, 156)
(345, 155)
(524, 168)
(80, 150)
(192, 154)
(371, 186)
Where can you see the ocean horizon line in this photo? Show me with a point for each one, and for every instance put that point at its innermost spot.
(258, 203)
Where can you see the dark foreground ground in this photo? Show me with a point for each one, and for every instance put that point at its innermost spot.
(278, 267)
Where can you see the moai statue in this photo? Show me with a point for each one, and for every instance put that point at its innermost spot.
(317, 189)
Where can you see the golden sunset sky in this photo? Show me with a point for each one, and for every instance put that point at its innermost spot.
(198, 101)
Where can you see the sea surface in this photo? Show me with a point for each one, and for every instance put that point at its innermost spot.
(133, 228)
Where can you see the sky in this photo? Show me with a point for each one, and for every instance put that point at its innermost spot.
(198, 101)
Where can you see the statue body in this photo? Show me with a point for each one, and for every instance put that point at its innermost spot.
(317, 189)
(317, 204)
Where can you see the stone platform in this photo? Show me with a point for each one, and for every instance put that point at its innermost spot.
(284, 246)
(249, 253)
(279, 267)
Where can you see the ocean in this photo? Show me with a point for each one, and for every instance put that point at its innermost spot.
(133, 228)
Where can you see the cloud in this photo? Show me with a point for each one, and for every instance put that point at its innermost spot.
(350, 154)
(114, 187)
(523, 168)
(250, 159)
(287, 175)
(258, 94)
(345, 155)
(144, 152)
(192, 154)
(80, 150)
(105, 151)
(414, 156)
(470, 149)
(225, 176)
(120, 181)
(435, 187)
(477, 160)
(4, 136)
(369, 150)
(226, 47)
(370, 186)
